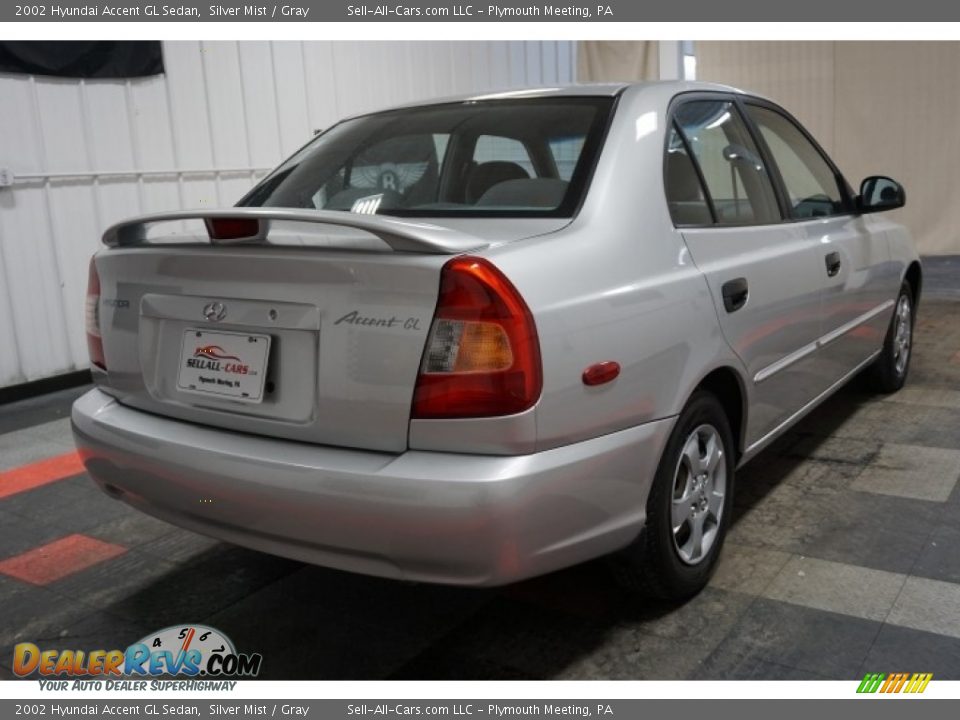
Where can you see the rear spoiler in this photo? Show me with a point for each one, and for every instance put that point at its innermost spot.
(252, 226)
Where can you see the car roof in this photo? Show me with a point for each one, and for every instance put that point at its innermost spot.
(601, 89)
(574, 90)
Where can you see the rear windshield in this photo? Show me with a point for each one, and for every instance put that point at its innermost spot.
(530, 157)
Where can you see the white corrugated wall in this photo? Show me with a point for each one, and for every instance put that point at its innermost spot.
(222, 114)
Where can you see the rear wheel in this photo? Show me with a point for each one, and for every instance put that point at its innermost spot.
(888, 372)
(689, 507)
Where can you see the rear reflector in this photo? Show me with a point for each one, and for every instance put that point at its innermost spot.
(232, 228)
(92, 318)
(482, 357)
(601, 372)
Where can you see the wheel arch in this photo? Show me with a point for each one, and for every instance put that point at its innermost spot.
(914, 276)
(728, 386)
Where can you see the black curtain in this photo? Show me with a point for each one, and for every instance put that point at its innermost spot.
(82, 58)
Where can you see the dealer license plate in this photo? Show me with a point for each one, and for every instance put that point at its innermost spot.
(226, 364)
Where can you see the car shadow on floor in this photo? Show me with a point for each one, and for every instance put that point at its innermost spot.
(799, 445)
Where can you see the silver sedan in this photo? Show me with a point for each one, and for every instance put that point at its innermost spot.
(481, 339)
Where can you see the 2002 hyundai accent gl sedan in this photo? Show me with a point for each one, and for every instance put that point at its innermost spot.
(478, 340)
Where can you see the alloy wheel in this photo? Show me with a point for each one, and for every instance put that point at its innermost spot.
(901, 337)
(699, 491)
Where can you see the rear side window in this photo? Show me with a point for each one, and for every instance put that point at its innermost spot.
(736, 178)
(811, 184)
(688, 205)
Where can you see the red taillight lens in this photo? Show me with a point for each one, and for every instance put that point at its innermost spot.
(94, 339)
(483, 355)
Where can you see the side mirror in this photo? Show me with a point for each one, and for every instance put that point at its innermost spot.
(878, 193)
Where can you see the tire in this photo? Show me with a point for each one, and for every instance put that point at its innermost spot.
(667, 563)
(889, 371)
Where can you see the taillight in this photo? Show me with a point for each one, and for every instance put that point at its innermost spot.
(483, 356)
(94, 339)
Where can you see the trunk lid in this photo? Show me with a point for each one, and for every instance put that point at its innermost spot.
(326, 341)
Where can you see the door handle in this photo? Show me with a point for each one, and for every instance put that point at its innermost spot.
(832, 261)
(735, 294)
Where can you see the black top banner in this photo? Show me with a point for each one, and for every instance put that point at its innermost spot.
(737, 11)
(82, 59)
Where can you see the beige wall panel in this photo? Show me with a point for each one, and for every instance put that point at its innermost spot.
(877, 107)
(617, 61)
(898, 105)
(798, 75)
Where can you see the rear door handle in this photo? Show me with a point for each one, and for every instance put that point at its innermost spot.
(735, 294)
(832, 261)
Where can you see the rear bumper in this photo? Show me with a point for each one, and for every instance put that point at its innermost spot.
(425, 516)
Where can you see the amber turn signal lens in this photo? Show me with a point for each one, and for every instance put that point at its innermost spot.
(484, 347)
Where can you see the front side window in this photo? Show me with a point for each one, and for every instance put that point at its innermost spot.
(812, 187)
(732, 167)
(510, 158)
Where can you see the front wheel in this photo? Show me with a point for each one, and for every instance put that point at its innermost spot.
(888, 372)
(689, 508)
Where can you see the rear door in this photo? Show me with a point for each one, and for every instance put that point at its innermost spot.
(857, 296)
(764, 274)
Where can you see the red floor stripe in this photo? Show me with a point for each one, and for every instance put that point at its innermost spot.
(39, 473)
(56, 560)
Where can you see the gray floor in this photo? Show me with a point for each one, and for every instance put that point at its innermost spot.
(842, 560)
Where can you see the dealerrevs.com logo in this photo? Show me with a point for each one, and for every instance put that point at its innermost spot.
(191, 651)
